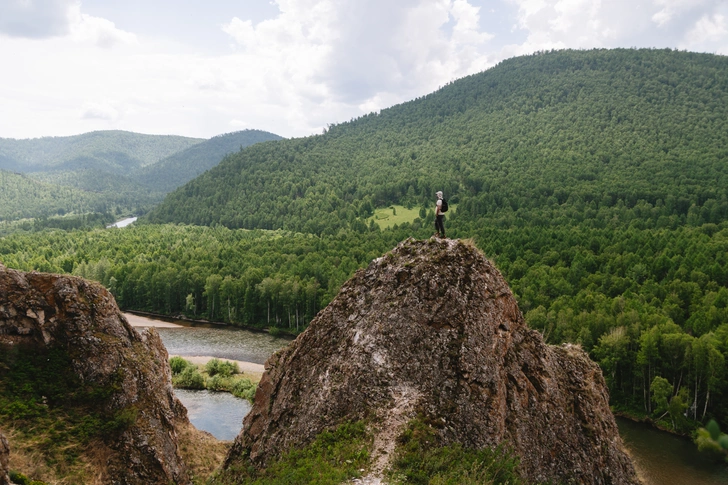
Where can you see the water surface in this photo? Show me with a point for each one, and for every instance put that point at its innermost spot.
(666, 459)
(221, 342)
(219, 413)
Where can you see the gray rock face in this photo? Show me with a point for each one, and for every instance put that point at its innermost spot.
(4, 460)
(433, 329)
(40, 311)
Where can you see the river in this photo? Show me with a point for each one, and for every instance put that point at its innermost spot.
(662, 458)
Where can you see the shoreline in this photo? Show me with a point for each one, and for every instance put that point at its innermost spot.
(250, 368)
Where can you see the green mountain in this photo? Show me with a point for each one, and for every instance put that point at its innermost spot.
(22, 197)
(110, 171)
(561, 128)
(183, 166)
(116, 151)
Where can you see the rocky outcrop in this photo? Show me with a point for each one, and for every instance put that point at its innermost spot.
(50, 314)
(432, 329)
(4, 460)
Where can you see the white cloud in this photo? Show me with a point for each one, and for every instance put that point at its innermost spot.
(99, 110)
(312, 63)
(95, 30)
(709, 30)
(331, 56)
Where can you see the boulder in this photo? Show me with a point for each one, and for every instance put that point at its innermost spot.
(433, 330)
(46, 314)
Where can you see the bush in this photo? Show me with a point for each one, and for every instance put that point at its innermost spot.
(222, 367)
(218, 382)
(244, 389)
(189, 378)
(178, 364)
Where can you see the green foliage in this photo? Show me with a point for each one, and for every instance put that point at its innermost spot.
(178, 364)
(218, 375)
(421, 459)
(710, 438)
(244, 389)
(189, 378)
(661, 391)
(20, 479)
(224, 368)
(332, 458)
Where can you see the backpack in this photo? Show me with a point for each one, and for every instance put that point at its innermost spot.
(443, 207)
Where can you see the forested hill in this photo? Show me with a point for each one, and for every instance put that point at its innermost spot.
(561, 128)
(185, 165)
(109, 172)
(115, 150)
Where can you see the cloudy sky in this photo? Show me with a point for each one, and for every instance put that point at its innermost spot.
(202, 68)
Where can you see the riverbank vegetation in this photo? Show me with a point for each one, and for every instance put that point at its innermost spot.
(216, 375)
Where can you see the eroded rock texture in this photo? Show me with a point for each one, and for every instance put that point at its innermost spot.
(4, 460)
(42, 312)
(432, 328)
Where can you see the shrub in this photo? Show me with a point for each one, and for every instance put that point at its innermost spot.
(178, 364)
(225, 368)
(189, 378)
(218, 382)
(244, 389)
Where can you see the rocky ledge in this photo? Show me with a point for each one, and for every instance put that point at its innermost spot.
(432, 330)
(125, 372)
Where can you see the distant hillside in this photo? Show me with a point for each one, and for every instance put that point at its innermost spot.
(592, 126)
(107, 171)
(118, 151)
(183, 166)
(22, 197)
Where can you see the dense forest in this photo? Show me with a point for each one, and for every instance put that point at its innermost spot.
(105, 172)
(597, 181)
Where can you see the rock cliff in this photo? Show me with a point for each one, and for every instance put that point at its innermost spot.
(120, 378)
(432, 329)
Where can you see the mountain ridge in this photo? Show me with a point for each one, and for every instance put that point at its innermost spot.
(590, 125)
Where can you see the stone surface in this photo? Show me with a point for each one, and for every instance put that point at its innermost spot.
(433, 329)
(4, 460)
(41, 311)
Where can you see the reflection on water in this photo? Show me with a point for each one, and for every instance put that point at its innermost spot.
(219, 413)
(665, 459)
(221, 342)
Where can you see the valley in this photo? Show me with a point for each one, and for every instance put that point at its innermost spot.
(595, 181)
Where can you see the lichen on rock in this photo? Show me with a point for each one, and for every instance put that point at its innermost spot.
(122, 376)
(433, 330)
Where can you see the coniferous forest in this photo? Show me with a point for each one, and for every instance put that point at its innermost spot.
(597, 181)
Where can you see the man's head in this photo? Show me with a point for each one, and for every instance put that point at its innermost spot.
(438, 194)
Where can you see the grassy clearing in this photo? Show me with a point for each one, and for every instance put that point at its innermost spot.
(216, 375)
(394, 214)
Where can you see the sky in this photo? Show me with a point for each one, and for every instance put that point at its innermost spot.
(291, 67)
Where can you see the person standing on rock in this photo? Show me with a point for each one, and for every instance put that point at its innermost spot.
(440, 209)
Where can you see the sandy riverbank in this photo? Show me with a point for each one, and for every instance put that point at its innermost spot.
(137, 321)
(255, 371)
